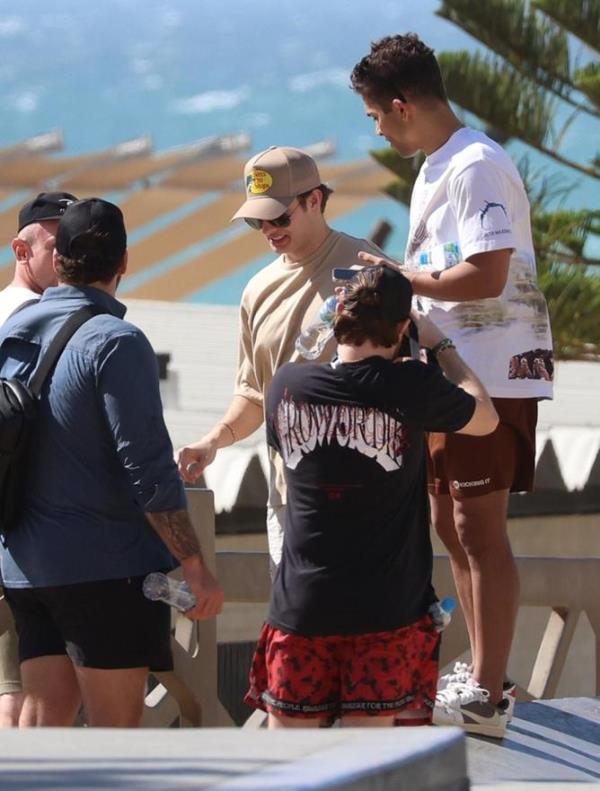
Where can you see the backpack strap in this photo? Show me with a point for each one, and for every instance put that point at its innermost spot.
(58, 343)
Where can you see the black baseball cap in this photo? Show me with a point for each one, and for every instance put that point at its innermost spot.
(91, 215)
(46, 206)
(396, 294)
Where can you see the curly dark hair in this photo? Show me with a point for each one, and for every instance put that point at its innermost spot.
(95, 261)
(398, 67)
(325, 193)
(376, 301)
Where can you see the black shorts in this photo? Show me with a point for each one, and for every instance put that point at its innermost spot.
(107, 625)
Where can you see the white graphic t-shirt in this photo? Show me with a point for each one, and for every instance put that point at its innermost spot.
(469, 198)
(13, 297)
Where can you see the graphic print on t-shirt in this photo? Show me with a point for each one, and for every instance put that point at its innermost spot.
(302, 427)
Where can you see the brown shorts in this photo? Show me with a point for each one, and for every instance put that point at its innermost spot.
(378, 674)
(464, 466)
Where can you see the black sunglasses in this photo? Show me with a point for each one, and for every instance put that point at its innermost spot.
(279, 222)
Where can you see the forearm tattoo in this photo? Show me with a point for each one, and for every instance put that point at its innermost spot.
(176, 530)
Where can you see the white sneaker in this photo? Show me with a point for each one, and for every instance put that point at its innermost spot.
(509, 691)
(468, 707)
(461, 674)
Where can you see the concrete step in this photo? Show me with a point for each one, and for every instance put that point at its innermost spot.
(229, 759)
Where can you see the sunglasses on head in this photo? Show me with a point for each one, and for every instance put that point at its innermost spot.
(279, 222)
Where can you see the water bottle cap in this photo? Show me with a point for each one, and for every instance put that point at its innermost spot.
(448, 604)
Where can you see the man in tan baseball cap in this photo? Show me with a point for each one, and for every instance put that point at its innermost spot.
(273, 179)
(285, 201)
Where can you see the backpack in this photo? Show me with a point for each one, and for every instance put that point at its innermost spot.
(19, 407)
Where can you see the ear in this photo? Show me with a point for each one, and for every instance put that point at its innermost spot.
(402, 110)
(123, 267)
(55, 262)
(20, 249)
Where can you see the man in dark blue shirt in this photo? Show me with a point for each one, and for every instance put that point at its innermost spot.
(104, 504)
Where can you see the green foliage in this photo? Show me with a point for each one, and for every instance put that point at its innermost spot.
(405, 170)
(563, 234)
(573, 298)
(580, 17)
(587, 81)
(531, 43)
(489, 88)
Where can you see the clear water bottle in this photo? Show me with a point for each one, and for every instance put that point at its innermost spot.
(441, 613)
(312, 341)
(159, 587)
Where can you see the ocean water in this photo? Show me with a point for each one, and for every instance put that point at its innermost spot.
(182, 70)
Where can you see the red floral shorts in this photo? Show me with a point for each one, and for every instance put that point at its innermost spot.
(380, 673)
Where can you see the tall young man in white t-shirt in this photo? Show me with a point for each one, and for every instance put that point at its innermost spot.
(32, 247)
(471, 262)
(285, 201)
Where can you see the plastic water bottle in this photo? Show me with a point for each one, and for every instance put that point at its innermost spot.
(159, 587)
(312, 341)
(441, 612)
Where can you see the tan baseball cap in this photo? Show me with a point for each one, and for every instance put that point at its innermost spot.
(273, 179)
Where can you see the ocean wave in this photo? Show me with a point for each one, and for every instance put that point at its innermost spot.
(257, 120)
(25, 102)
(302, 83)
(11, 26)
(210, 100)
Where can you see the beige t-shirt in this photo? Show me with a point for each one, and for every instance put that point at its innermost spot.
(277, 304)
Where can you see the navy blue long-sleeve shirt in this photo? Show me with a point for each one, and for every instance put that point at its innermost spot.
(102, 456)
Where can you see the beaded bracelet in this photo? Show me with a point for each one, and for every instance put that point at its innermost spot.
(445, 343)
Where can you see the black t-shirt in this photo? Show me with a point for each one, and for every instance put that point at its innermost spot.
(356, 554)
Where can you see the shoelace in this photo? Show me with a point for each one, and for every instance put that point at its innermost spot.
(461, 693)
(462, 673)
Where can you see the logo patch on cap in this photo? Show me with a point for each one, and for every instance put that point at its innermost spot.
(258, 182)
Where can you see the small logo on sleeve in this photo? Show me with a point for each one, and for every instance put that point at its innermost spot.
(488, 215)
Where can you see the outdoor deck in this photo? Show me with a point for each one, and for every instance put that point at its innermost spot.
(549, 742)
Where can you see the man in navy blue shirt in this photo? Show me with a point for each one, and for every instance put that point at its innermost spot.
(104, 504)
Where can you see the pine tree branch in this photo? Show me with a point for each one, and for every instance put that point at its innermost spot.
(582, 18)
(503, 99)
(534, 46)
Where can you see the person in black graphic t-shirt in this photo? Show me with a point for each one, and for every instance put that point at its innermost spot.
(348, 632)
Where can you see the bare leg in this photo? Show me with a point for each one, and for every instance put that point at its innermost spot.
(368, 722)
(413, 716)
(113, 698)
(481, 528)
(10, 709)
(11, 697)
(51, 692)
(281, 721)
(442, 517)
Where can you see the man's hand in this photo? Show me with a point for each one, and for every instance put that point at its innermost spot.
(377, 260)
(193, 459)
(176, 531)
(209, 594)
(429, 333)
